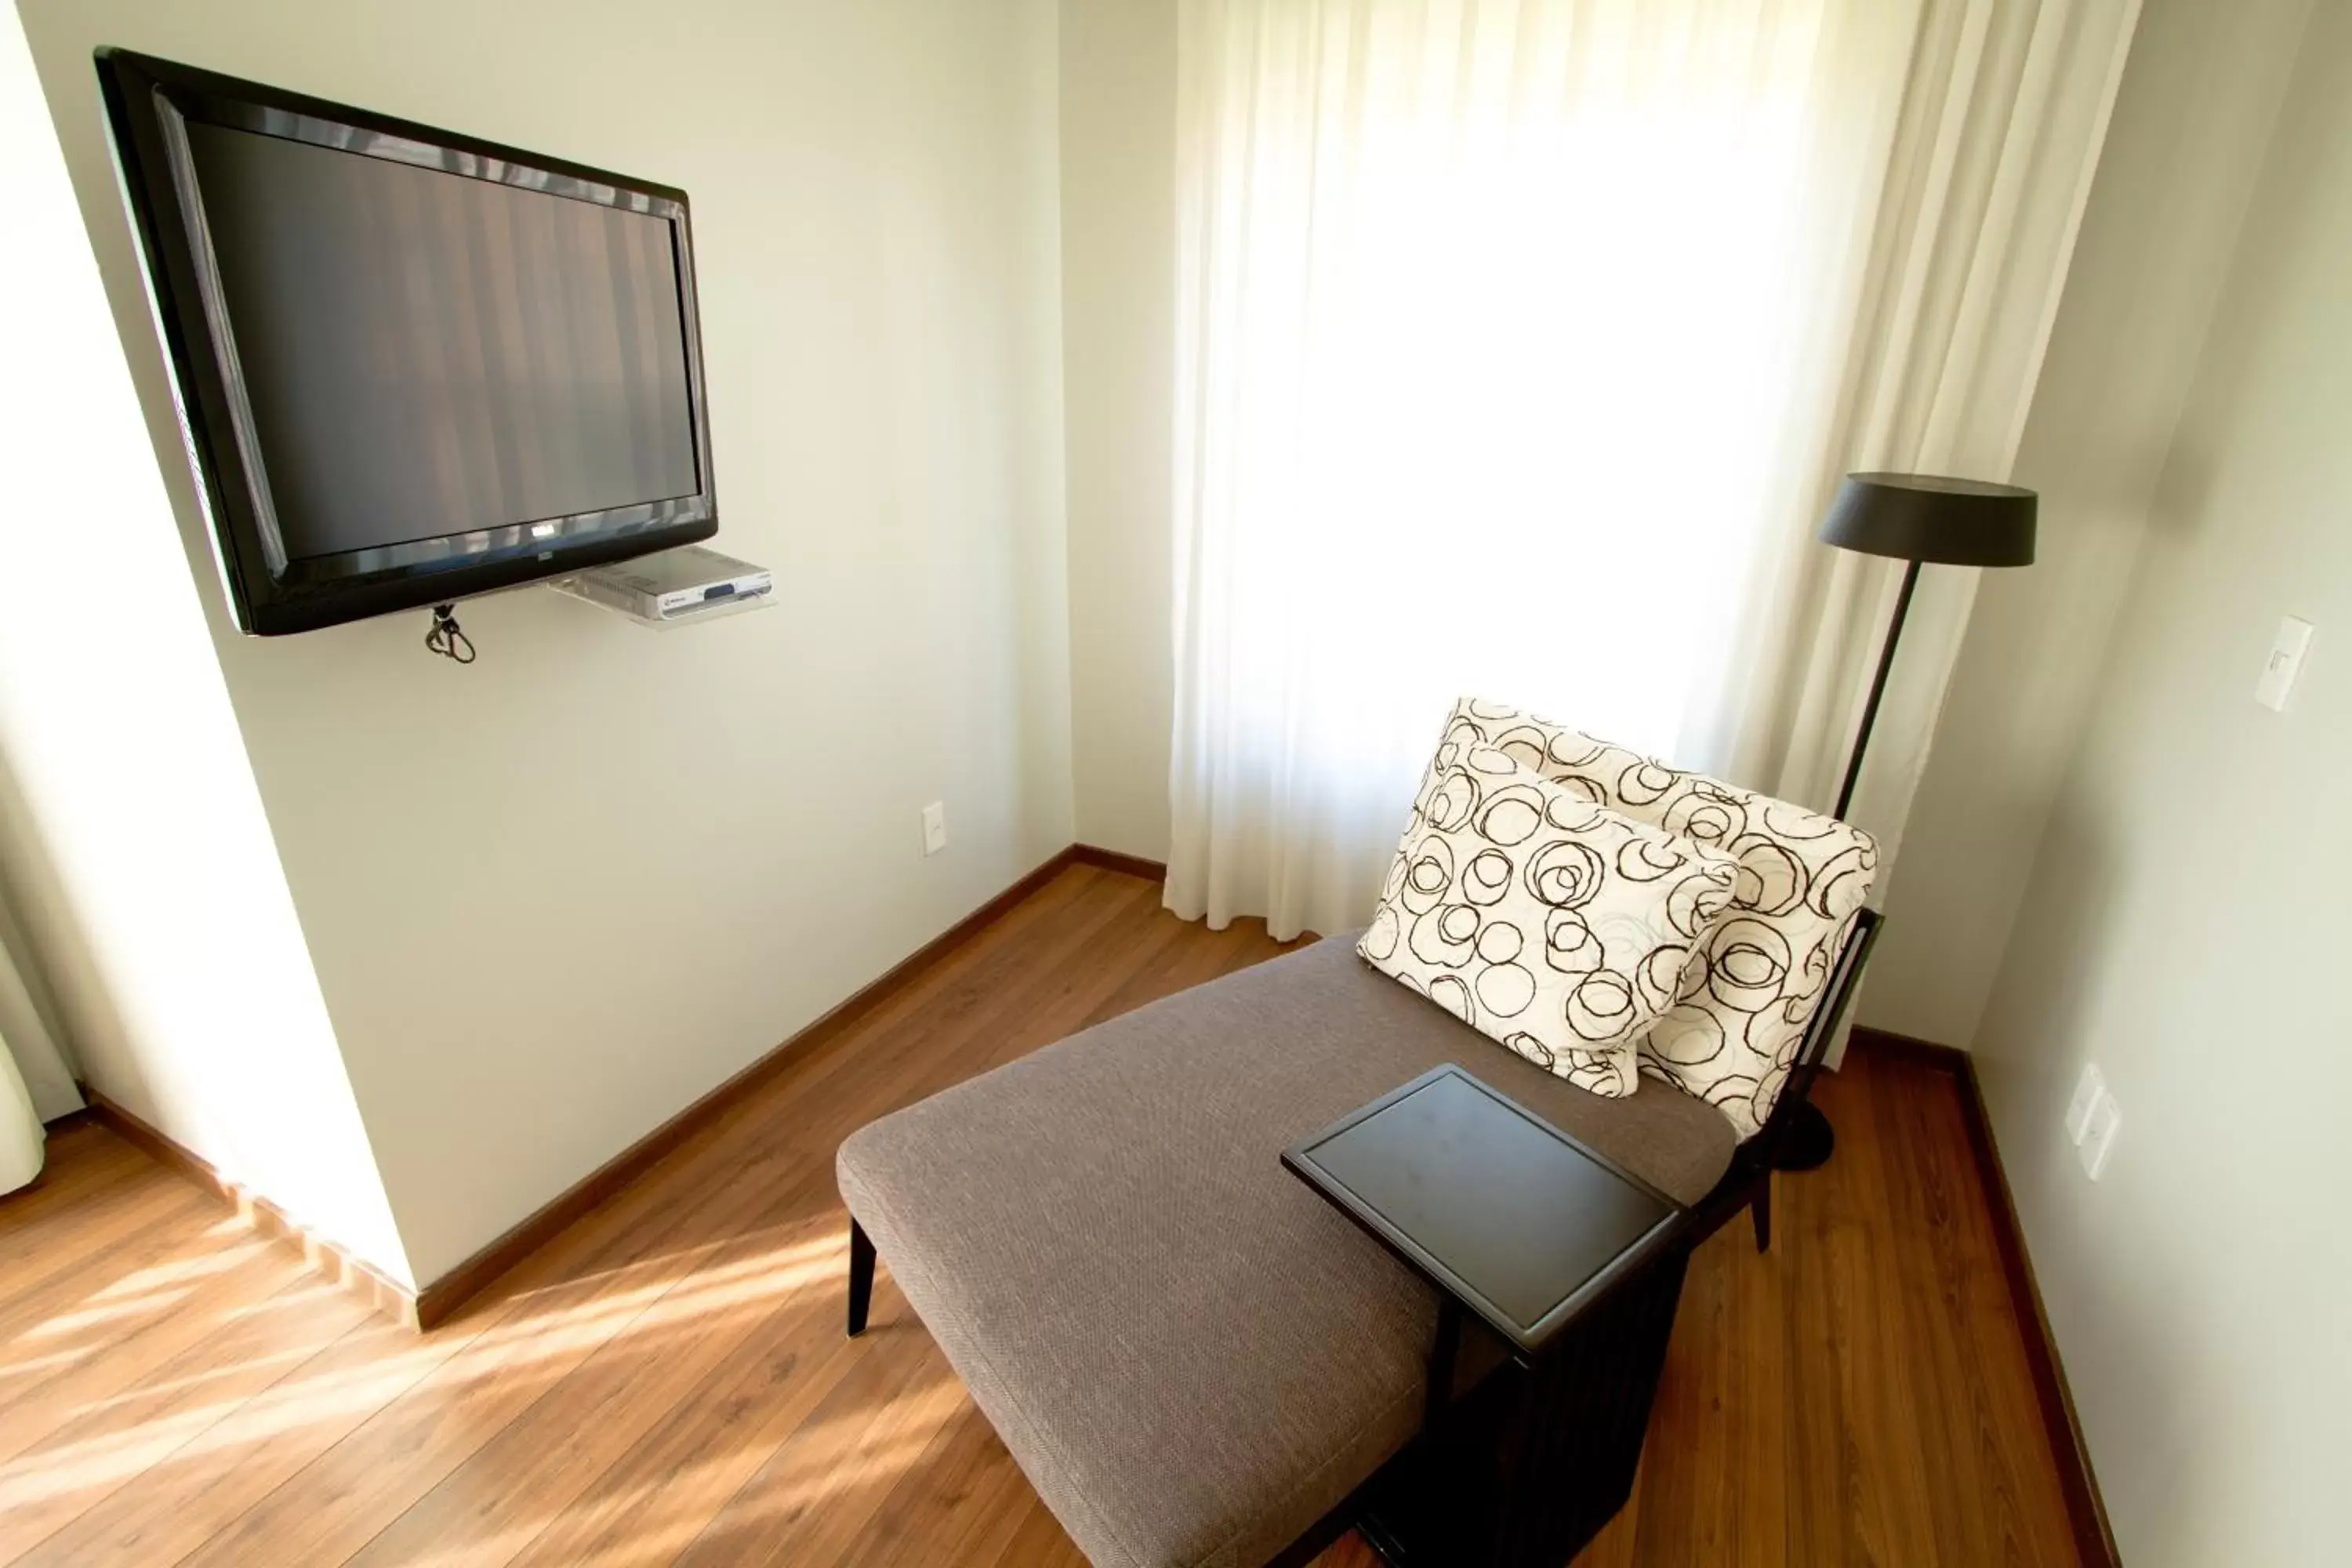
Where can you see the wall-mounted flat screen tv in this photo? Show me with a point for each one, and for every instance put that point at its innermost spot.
(410, 366)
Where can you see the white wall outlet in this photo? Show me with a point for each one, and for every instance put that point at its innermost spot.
(2285, 662)
(2107, 1120)
(2088, 1092)
(935, 828)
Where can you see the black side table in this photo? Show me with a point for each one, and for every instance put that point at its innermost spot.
(1573, 1263)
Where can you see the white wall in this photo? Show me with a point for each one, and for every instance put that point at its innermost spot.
(2199, 97)
(1119, 357)
(2185, 923)
(131, 837)
(556, 896)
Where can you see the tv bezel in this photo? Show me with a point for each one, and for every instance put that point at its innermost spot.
(149, 103)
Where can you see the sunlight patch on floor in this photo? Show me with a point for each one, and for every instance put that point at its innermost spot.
(550, 1329)
(180, 1270)
(113, 1312)
(649, 1536)
(20, 1366)
(153, 1289)
(668, 1264)
(81, 1466)
(503, 1354)
(291, 1303)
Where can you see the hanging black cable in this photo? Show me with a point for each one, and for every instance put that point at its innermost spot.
(446, 638)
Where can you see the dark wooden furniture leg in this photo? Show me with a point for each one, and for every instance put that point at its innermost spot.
(861, 1278)
(1760, 1211)
(1534, 1461)
(1442, 1361)
(1581, 1421)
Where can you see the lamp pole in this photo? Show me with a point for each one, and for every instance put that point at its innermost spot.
(1811, 1138)
(1914, 518)
(1878, 689)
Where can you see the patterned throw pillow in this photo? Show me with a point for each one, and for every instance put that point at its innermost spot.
(1752, 986)
(1554, 924)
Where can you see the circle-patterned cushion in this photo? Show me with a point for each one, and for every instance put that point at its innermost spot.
(1553, 923)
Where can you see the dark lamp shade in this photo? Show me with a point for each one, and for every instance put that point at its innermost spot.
(1923, 517)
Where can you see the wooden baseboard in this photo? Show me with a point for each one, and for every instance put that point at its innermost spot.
(1113, 861)
(440, 1299)
(2094, 1541)
(1912, 1049)
(388, 1296)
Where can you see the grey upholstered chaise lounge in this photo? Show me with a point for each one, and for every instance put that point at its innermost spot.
(1196, 1360)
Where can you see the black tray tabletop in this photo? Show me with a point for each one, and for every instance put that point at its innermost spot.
(1515, 1218)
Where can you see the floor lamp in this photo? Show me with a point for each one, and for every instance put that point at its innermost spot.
(1923, 520)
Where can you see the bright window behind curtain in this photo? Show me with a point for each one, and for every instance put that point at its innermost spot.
(1490, 319)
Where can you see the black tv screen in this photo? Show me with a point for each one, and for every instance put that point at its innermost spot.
(410, 366)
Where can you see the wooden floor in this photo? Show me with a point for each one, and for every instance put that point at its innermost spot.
(669, 1382)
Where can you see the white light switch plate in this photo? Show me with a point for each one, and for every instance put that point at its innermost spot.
(2087, 1094)
(935, 828)
(2107, 1120)
(2285, 662)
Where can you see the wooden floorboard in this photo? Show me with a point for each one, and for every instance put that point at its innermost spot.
(666, 1380)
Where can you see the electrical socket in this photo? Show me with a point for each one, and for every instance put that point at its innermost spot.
(2088, 1092)
(935, 829)
(2099, 1130)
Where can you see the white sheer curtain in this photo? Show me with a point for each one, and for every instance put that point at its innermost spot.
(36, 1084)
(1519, 344)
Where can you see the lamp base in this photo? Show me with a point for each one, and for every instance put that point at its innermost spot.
(1808, 1142)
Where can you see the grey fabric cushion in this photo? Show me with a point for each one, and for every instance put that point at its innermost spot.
(1192, 1356)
